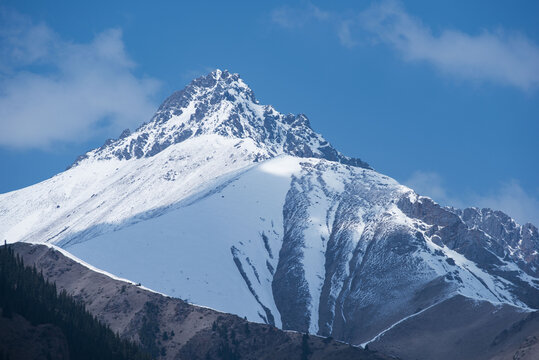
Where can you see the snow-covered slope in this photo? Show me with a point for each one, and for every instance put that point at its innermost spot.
(228, 203)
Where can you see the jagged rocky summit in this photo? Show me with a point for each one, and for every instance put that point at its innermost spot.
(221, 103)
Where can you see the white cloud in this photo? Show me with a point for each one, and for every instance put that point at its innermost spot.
(510, 59)
(431, 184)
(514, 201)
(289, 17)
(501, 57)
(509, 197)
(53, 90)
(345, 34)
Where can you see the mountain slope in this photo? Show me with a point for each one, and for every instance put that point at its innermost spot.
(48, 323)
(172, 328)
(459, 328)
(229, 204)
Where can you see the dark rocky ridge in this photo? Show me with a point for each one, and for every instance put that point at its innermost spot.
(487, 237)
(504, 231)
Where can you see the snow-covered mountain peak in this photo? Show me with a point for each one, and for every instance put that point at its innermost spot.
(233, 205)
(216, 86)
(221, 103)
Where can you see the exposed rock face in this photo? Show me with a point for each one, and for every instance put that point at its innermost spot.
(491, 239)
(518, 243)
(387, 254)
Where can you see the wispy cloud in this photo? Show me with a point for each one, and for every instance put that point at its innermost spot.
(289, 17)
(512, 199)
(431, 184)
(345, 33)
(502, 57)
(509, 197)
(507, 58)
(53, 90)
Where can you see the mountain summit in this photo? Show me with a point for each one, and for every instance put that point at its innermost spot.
(221, 103)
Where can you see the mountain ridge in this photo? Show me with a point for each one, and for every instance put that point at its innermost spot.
(221, 103)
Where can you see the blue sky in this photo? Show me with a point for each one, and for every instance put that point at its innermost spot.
(443, 96)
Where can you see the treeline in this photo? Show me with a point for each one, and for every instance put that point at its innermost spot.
(23, 290)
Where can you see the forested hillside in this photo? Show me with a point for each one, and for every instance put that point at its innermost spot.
(24, 292)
